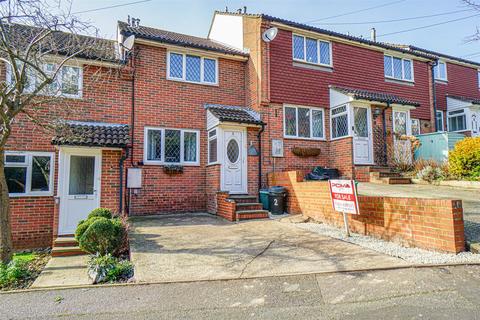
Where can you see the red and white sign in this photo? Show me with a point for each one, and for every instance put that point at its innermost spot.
(344, 196)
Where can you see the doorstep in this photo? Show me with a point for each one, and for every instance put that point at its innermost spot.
(64, 272)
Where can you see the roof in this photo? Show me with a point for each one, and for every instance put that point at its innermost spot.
(179, 39)
(329, 33)
(234, 114)
(92, 134)
(64, 43)
(465, 99)
(361, 94)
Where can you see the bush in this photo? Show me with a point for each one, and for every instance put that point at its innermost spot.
(464, 159)
(109, 269)
(430, 174)
(100, 212)
(103, 236)
(13, 273)
(83, 225)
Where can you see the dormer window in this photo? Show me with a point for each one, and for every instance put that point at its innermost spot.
(311, 50)
(192, 68)
(398, 68)
(440, 71)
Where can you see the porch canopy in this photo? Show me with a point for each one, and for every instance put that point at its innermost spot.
(223, 114)
(342, 95)
(92, 134)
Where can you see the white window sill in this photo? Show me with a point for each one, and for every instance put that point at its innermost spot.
(193, 82)
(213, 164)
(312, 66)
(340, 138)
(150, 163)
(441, 81)
(302, 138)
(399, 81)
(20, 195)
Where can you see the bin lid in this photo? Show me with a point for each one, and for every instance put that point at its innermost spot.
(277, 189)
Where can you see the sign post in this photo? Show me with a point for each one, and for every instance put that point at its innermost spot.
(344, 199)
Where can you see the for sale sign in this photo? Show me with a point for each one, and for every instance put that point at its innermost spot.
(344, 196)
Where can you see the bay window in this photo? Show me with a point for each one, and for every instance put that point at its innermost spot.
(191, 68)
(311, 50)
(398, 68)
(304, 122)
(171, 146)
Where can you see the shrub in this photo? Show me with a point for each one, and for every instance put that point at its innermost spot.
(464, 159)
(109, 269)
(430, 174)
(103, 236)
(100, 212)
(83, 225)
(13, 273)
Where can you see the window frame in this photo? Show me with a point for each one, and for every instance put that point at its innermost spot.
(478, 78)
(210, 138)
(392, 77)
(441, 118)
(463, 113)
(349, 120)
(296, 136)
(182, 147)
(304, 60)
(184, 68)
(437, 71)
(412, 120)
(29, 165)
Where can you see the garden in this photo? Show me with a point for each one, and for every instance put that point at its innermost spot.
(23, 269)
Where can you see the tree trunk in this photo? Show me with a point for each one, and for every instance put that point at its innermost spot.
(5, 227)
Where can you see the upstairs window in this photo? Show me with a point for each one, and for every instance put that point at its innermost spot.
(303, 122)
(440, 71)
(398, 68)
(311, 50)
(191, 68)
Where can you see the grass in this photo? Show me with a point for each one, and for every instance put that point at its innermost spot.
(22, 271)
(25, 256)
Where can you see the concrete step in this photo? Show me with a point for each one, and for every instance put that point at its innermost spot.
(378, 175)
(67, 251)
(252, 214)
(249, 206)
(399, 180)
(65, 242)
(243, 198)
(379, 169)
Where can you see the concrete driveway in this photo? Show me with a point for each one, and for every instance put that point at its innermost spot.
(195, 247)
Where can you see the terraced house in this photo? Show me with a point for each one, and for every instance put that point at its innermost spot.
(187, 124)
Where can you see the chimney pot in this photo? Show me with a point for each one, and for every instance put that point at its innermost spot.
(373, 35)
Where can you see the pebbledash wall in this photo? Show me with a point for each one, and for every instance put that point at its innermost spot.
(425, 223)
(105, 98)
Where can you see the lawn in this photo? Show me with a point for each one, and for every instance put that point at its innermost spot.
(22, 270)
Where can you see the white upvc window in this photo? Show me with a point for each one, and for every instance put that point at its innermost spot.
(339, 122)
(478, 78)
(457, 120)
(440, 71)
(212, 146)
(171, 146)
(67, 83)
(192, 68)
(311, 50)
(398, 68)
(304, 122)
(439, 120)
(29, 173)
(415, 125)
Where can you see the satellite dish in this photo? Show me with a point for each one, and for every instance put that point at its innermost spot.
(128, 42)
(269, 34)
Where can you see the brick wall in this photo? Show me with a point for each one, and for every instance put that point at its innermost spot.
(110, 181)
(432, 224)
(212, 187)
(226, 208)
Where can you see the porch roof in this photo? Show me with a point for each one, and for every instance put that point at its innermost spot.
(234, 114)
(92, 134)
(361, 94)
(465, 99)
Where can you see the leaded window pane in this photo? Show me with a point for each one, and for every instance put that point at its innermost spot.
(190, 146)
(340, 126)
(400, 124)
(407, 69)
(16, 179)
(415, 127)
(53, 87)
(290, 122)
(339, 110)
(324, 52)
(172, 146)
(233, 151)
(317, 123)
(209, 70)
(312, 50)
(193, 68)
(298, 47)
(387, 66)
(212, 149)
(360, 122)
(70, 80)
(176, 65)
(154, 145)
(40, 173)
(303, 122)
(397, 68)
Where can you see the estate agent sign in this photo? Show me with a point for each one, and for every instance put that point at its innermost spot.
(344, 198)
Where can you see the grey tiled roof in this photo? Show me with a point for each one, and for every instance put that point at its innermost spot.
(234, 114)
(92, 134)
(174, 38)
(465, 99)
(361, 94)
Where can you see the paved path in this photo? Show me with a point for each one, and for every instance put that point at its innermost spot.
(442, 293)
(204, 247)
(470, 199)
(64, 271)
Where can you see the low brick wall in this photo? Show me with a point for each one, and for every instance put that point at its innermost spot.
(226, 208)
(425, 223)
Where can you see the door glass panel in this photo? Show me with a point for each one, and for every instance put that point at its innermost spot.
(361, 122)
(82, 175)
(233, 151)
(400, 124)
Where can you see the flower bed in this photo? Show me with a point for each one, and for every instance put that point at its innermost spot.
(22, 271)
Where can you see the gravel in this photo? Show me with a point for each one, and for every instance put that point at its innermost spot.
(411, 255)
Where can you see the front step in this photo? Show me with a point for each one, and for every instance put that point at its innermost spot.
(65, 242)
(243, 198)
(66, 246)
(251, 214)
(385, 175)
(249, 206)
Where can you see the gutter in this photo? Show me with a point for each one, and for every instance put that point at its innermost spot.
(121, 169)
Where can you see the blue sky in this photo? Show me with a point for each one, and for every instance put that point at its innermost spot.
(194, 17)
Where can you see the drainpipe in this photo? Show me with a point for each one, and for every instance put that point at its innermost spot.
(384, 122)
(434, 93)
(260, 157)
(121, 168)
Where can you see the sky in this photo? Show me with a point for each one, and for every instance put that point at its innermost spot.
(194, 16)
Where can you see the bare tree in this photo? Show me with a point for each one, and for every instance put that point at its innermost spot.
(475, 6)
(37, 39)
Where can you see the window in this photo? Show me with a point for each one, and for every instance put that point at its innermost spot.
(171, 146)
(68, 81)
(400, 122)
(311, 50)
(339, 119)
(457, 120)
(303, 122)
(212, 146)
(29, 174)
(439, 120)
(440, 71)
(191, 68)
(478, 78)
(415, 127)
(398, 68)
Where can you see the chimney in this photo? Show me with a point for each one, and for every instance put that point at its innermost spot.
(373, 35)
(245, 9)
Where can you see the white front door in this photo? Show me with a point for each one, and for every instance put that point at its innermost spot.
(362, 136)
(234, 162)
(79, 186)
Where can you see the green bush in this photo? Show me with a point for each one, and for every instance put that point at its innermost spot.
(464, 159)
(83, 225)
(100, 212)
(103, 236)
(13, 272)
(109, 269)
